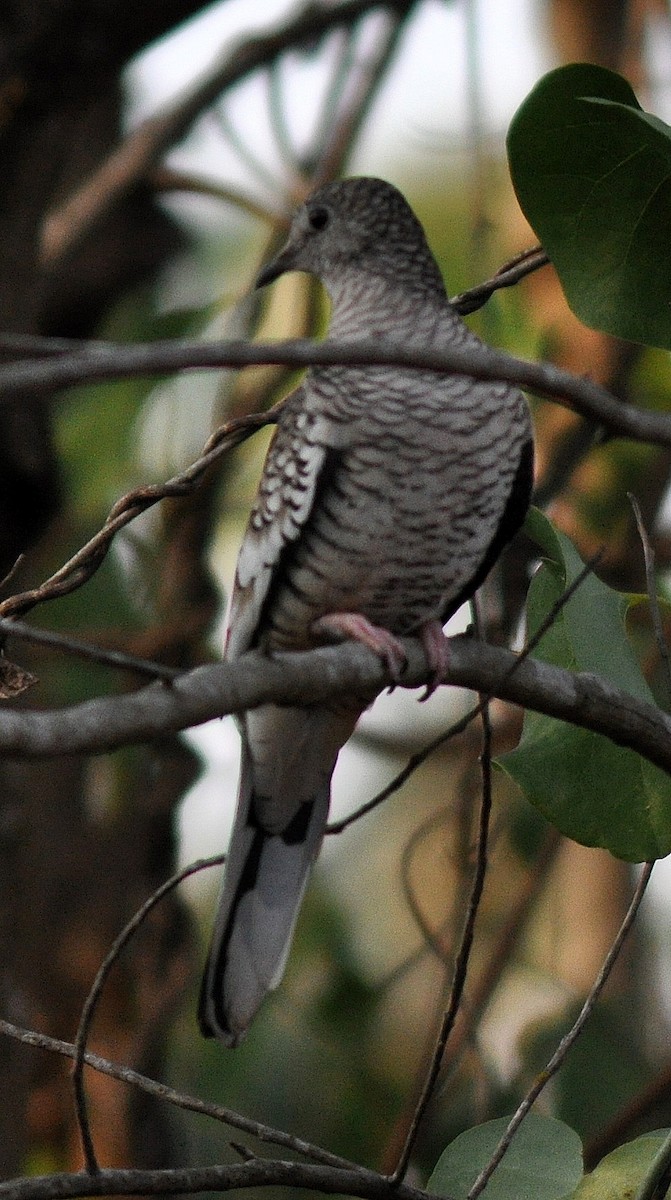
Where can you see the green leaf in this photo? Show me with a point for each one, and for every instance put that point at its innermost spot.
(592, 173)
(544, 1161)
(595, 792)
(619, 1174)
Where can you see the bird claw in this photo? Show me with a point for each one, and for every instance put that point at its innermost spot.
(360, 629)
(437, 650)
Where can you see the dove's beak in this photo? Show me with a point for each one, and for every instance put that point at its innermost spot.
(276, 267)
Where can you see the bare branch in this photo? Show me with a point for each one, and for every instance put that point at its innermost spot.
(511, 273)
(78, 569)
(655, 1183)
(463, 955)
(206, 1108)
(363, 80)
(432, 939)
(559, 1056)
(109, 361)
(249, 158)
(506, 939)
(258, 1172)
(167, 179)
(143, 148)
(461, 724)
(95, 992)
(106, 723)
(11, 628)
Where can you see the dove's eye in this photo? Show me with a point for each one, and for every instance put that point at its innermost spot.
(318, 218)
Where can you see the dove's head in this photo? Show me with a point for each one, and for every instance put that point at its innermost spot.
(353, 228)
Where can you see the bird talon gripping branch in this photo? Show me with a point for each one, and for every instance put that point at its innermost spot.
(437, 650)
(386, 497)
(355, 626)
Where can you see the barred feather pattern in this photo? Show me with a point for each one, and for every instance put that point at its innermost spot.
(383, 494)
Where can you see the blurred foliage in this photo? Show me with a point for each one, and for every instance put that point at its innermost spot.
(338, 1054)
(612, 1047)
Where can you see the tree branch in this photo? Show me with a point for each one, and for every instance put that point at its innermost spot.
(106, 656)
(525, 263)
(258, 1172)
(161, 1091)
(462, 956)
(109, 361)
(106, 723)
(558, 1058)
(144, 146)
(86, 561)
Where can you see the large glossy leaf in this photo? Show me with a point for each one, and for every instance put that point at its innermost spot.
(544, 1161)
(592, 173)
(595, 792)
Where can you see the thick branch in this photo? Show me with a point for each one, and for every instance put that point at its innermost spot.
(258, 1172)
(108, 361)
(207, 692)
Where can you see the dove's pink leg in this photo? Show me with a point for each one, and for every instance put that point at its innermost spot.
(437, 650)
(354, 625)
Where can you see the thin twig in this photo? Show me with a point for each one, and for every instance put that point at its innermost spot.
(332, 97)
(405, 773)
(11, 628)
(430, 938)
(655, 1182)
(217, 1112)
(463, 954)
(506, 938)
(651, 585)
(167, 179)
(511, 273)
(246, 155)
(79, 569)
(278, 122)
(478, 183)
(558, 1058)
(362, 85)
(95, 992)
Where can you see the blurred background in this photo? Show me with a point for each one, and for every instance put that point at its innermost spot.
(150, 159)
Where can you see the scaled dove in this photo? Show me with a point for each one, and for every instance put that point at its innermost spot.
(386, 497)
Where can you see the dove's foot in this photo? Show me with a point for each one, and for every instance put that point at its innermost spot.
(437, 650)
(354, 625)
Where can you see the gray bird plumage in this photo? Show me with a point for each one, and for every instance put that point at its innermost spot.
(386, 497)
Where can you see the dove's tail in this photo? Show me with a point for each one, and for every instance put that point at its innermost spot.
(272, 849)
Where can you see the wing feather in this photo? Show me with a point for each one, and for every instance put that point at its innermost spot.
(283, 504)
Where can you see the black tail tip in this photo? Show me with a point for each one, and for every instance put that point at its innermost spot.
(211, 1022)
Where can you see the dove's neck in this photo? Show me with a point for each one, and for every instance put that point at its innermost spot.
(366, 306)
